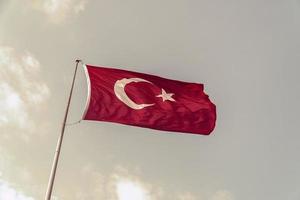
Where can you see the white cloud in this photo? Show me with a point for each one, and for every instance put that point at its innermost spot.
(21, 89)
(123, 184)
(119, 185)
(127, 186)
(222, 195)
(186, 196)
(52, 7)
(31, 64)
(11, 107)
(80, 6)
(7, 192)
(59, 10)
(130, 190)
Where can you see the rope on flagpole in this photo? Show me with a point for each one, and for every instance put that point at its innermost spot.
(60, 139)
(73, 123)
(77, 122)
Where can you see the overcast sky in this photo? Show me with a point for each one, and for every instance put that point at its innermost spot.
(247, 53)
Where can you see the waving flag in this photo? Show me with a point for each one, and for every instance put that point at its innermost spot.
(149, 101)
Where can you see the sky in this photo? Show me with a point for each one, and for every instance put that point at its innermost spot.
(245, 52)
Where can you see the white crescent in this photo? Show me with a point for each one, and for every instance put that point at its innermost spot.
(119, 89)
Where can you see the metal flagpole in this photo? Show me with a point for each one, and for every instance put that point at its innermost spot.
(59, 142)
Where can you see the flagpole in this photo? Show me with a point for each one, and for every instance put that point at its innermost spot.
(60, 139)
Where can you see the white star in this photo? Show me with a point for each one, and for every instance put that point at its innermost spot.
(166, 96)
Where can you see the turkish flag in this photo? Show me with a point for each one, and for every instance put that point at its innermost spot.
(149, 101)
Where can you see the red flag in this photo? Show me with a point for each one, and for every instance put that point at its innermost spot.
(149, 101)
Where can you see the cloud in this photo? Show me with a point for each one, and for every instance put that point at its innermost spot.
(7, 192)
(222, 195)
(80, 6)
(128, 190)
(124, 184)
(186, 196)
(11, 106)
(16, 177)
(21, 89)
(127, 186)
(59, 10)
(118, 185)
